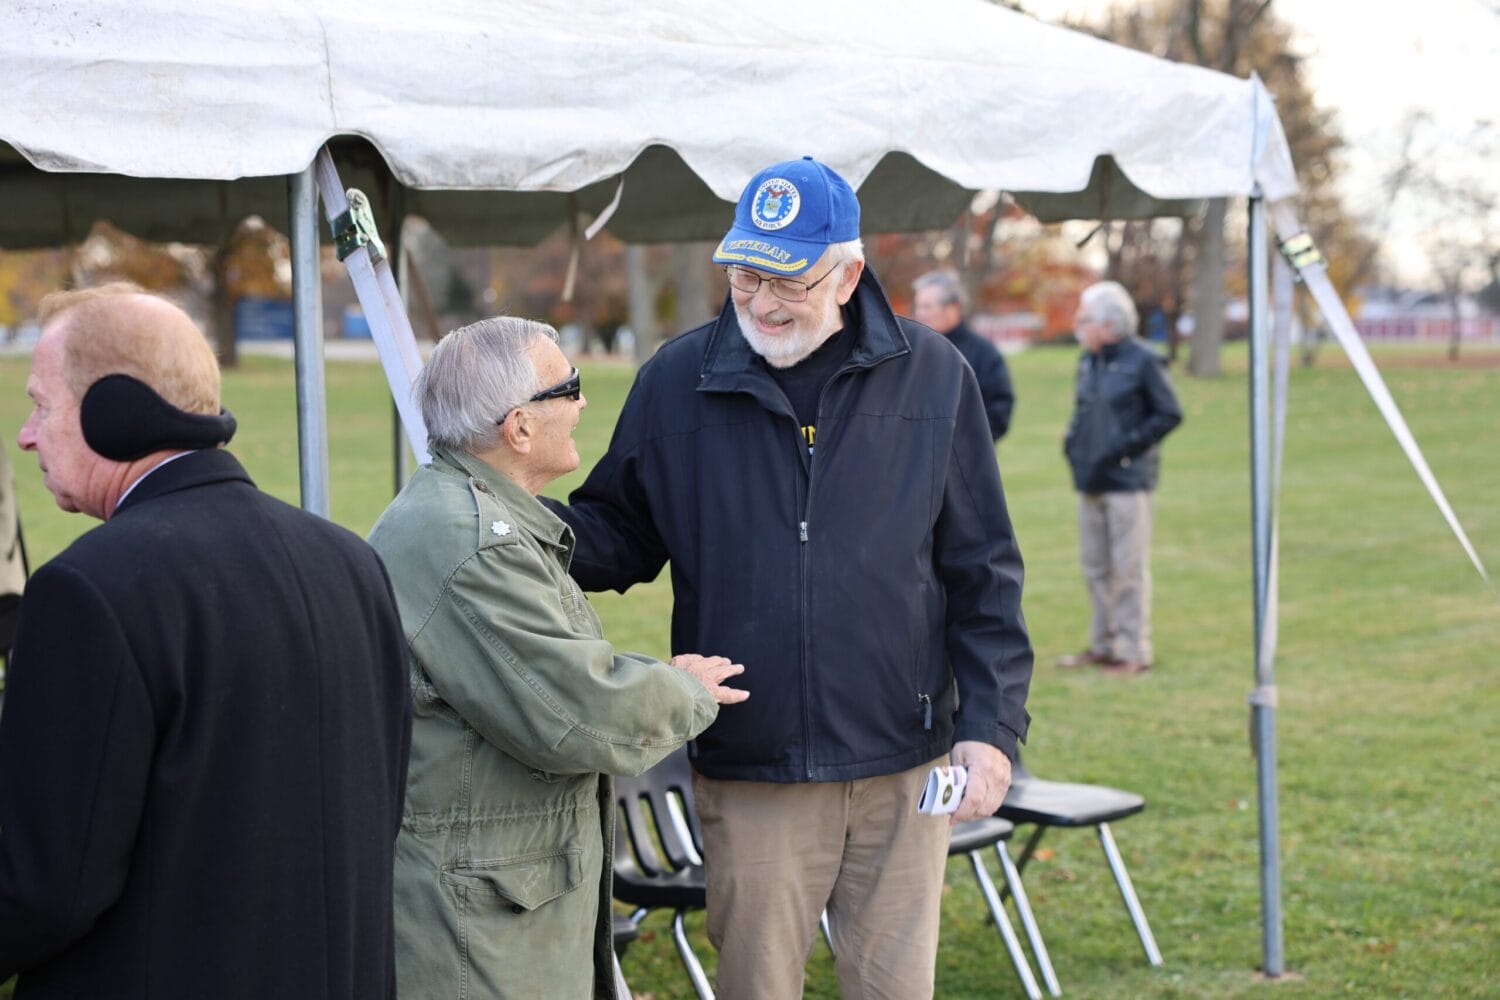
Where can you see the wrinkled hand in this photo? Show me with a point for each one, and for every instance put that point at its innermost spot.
(712, 672)
(989, 779)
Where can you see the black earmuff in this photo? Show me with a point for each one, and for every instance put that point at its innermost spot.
(124, 419)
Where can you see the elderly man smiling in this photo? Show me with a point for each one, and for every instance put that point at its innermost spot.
(821, 477)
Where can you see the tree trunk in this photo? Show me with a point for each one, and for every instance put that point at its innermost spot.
(226, 337)
(1456, 333)
(642, 308)
(977, 268)
(1179, 267)
(1208, 292)
(694, 285)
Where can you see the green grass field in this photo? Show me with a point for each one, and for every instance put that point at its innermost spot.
(1389, 680)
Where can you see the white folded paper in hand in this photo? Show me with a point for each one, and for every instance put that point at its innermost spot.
(944, 790)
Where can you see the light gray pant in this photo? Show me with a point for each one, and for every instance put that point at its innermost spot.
(1114, 546)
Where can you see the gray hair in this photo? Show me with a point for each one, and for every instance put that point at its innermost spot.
(1109, 303)
(847, 251)
(949, 285)
(476, 375)
(840, 255)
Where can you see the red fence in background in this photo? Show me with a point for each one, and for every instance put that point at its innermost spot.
(1423, 330)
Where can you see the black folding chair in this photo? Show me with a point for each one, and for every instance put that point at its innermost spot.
(625, 931)
(969, 839)
(657, 860)
(1046, 804)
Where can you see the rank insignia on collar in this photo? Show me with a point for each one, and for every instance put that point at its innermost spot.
(500, 528)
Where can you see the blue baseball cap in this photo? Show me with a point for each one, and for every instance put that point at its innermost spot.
(788, 216)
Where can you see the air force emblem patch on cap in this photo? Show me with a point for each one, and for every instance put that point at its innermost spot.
(776, 204)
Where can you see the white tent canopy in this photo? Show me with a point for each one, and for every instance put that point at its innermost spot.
(492, 115)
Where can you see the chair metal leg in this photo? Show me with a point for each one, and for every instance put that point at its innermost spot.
(827, 932)
(1127, 891)
(690, 959)
(1028, 919)
(622, 988)
(1003, 925)
(1030, 848)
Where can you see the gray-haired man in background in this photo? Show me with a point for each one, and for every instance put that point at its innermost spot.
(1125, 406)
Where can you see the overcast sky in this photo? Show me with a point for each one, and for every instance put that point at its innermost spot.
(1372, 63)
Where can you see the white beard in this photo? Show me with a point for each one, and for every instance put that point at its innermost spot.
(787, 349)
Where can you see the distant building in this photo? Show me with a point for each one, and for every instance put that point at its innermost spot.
(1402, 315)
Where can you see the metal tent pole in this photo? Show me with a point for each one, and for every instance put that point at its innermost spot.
(307, 319)
(1263, 702)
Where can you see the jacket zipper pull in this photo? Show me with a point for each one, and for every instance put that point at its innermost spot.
(926, 704)
(802, 530)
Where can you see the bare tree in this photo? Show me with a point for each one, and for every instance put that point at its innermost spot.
(1233, 36)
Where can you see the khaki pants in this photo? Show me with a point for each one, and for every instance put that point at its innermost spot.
(1114, 546)
(777, 854)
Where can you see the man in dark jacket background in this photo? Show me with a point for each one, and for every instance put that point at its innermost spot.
(203, 748)
(938, 300)
(820, 476)
(1124, 407)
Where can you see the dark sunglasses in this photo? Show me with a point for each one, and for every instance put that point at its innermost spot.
(570, 387)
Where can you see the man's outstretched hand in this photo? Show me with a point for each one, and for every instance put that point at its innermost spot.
(712, 672)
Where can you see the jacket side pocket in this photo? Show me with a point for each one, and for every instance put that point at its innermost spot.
(529, 881)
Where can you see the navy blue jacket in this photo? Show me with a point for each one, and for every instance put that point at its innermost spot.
(203, 754)
(1124, 407)
(865, 588)
(993, 375)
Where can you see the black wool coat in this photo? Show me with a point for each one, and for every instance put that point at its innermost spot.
(993, 375)
(203, 753)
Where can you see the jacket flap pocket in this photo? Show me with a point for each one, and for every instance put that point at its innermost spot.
(528, 881)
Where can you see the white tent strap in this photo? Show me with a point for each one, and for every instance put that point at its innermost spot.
(1315, 277)
(575, 251)
(608, 213)
(390, 327)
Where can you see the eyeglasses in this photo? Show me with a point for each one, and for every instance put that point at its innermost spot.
(570, 387)
(784, 289)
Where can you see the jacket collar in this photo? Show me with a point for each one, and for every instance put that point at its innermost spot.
(196, 468)
(1113, 349)
(525, 509)
(728, 359)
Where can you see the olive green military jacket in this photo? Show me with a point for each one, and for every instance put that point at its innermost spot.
(521, 711)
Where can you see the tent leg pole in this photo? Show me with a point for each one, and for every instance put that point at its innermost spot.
(307, 319)
(1263, 711)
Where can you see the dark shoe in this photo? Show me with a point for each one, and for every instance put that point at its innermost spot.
(1087, 658)
(1124, 668)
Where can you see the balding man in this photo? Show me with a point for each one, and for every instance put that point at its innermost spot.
(204, 742)
(939, 301)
